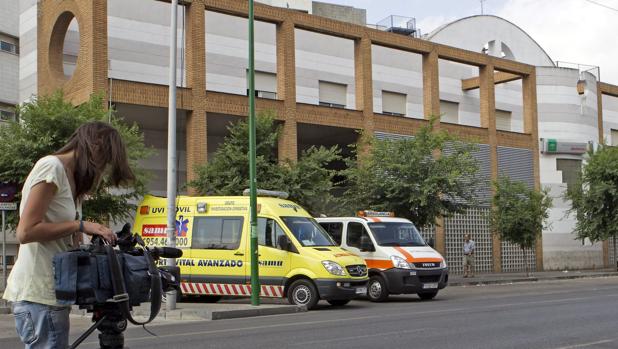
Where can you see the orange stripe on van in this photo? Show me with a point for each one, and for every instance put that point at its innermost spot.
(411, 259)
(379, 263)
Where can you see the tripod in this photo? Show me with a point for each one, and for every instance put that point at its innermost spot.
(111, 324)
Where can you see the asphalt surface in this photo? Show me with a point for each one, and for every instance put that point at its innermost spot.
(563, 314)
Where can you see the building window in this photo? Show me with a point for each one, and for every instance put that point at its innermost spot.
(7, 115)
(571, 170)
(10, 260)
(614, 137)
(449, 112)
(393, 103)
(8, 47)
(265, 85)
(503, 120)
(332, 94)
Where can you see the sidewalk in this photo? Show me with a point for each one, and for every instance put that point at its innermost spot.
(507, 278)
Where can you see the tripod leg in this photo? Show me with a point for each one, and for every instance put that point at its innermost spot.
(87, 333)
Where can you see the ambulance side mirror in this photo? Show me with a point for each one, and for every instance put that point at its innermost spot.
(285, 244)
(365, 244)
(431, 242)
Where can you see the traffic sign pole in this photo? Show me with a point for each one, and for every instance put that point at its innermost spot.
(5, 206)
(4, 249)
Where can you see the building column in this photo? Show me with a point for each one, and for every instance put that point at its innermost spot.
(286, 90)
(91, 73)
(431, 86)
(488, 120)
(531, 126)
(196, 127)
(363, 82)
(431, 108)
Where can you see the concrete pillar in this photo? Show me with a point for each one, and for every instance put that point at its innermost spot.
(531, 126)
(488, 120)
(286, 90)
(196, 126)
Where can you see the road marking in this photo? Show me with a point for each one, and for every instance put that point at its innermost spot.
(450, 310)
(363, 336)
(583, 345)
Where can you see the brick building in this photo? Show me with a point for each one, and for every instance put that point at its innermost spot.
(327, 78)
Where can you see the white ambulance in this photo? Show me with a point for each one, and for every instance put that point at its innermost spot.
(399, 260)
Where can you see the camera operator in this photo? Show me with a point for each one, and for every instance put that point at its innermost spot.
(51, 222)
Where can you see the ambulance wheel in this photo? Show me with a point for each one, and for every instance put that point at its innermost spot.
(427, 295)
(302, 292)
(210, 299)
(376, 289)
(338, 302)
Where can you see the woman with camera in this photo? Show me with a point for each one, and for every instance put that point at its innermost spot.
(51, 222)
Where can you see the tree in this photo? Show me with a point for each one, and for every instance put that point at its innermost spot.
(45, 125)
(308, 181)
(519, 213)
(595, 197)
(419, 178)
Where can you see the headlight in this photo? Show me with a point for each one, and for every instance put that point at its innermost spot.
(333, 268)
(443, 264)
(399, 262)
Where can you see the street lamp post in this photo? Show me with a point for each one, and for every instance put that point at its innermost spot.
(171, 152)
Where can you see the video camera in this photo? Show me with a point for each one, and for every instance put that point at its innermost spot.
(109, 282)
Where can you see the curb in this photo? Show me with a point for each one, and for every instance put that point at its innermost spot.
(529, 279)
(233, 314)
(210, 314)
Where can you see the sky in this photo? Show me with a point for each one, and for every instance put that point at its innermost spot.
(578, 31)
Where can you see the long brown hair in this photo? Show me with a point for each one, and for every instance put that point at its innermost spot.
(97, 145)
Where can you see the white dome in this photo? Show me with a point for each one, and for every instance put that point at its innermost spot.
(493, 34)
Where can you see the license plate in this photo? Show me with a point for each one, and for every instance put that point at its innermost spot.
(361, 290)
(432, 285)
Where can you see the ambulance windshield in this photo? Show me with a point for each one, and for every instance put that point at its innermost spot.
(308, 232)
(396, 234)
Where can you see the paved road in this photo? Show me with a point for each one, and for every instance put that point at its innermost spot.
(553, 315)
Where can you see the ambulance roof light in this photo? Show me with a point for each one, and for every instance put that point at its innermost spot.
(370, 213)
(268, 193)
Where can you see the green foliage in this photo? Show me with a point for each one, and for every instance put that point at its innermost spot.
(45, 125)
(595, 197)
(308, 181)
(418, 178)
(520, 213)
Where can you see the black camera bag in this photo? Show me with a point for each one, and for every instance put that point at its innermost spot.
(96, 277)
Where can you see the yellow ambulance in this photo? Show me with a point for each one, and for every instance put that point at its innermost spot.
(297, 258)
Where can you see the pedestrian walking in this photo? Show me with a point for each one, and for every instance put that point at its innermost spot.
(468, 258)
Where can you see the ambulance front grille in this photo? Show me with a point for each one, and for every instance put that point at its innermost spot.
(427, 265)
(357, 270)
